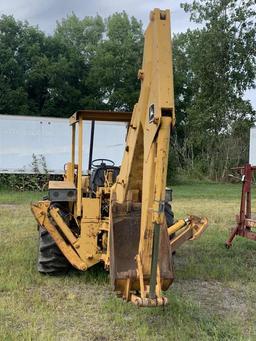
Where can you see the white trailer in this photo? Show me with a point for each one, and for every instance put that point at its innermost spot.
(253, 146)
(23, 136)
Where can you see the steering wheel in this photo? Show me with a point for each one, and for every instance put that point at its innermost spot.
(96, 163)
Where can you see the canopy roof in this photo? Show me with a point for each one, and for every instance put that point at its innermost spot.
(101, 115)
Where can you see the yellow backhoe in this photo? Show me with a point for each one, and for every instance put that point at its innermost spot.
(121, 216)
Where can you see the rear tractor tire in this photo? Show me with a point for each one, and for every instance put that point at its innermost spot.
(51, 261)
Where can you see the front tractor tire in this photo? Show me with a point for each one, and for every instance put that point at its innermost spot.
(51, 261)
(169, 214)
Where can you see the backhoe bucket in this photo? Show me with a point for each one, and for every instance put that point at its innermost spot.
(124, 244)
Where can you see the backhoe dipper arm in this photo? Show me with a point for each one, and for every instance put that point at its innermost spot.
(143, 171)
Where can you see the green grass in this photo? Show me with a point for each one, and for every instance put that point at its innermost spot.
(212, 298)
(16, 198)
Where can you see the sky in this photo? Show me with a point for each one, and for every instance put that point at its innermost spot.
(45, 13)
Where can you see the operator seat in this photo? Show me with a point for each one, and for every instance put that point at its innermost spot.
(98, 175)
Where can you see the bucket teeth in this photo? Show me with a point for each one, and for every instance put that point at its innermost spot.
(149, 302)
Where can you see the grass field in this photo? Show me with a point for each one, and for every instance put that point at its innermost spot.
(213, 297)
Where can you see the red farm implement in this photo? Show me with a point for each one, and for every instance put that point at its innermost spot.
(245, 221)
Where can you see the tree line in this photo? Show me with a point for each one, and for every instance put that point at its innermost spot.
(93, 63)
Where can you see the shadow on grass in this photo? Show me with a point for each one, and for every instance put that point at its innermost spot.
(97, 273)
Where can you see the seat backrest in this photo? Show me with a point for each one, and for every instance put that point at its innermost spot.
(98, 176)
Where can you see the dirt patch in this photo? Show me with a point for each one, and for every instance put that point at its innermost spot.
(216, 297)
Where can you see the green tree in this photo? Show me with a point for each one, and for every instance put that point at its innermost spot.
(184, 89)
(71, 50)
(114, 69)
(219, 65)
(86, 63)
(21, 49)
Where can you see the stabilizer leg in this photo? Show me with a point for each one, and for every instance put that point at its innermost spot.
(40, 211)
